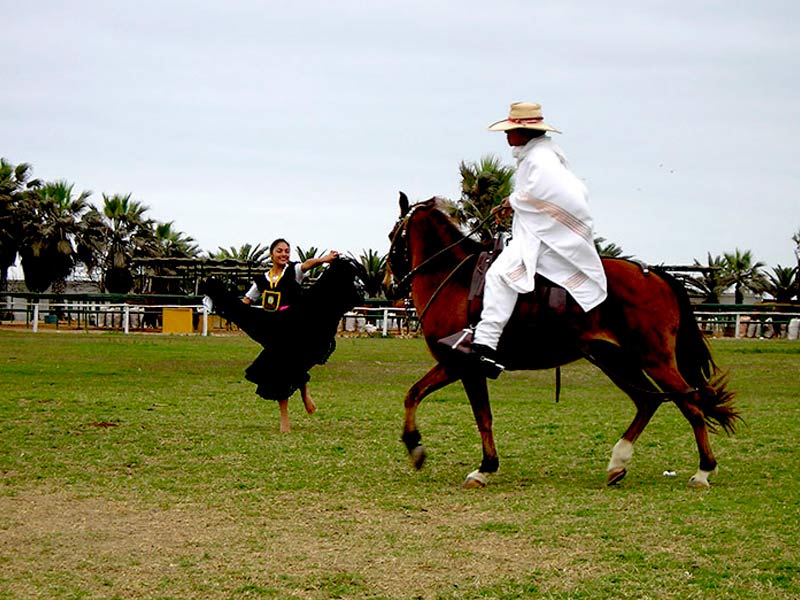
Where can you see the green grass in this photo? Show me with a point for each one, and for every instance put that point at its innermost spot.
(145, 467)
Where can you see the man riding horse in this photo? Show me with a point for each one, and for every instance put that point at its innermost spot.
(552, 232)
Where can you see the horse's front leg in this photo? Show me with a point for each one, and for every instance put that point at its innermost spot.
(623, 449)
(436, 378)
(478, 394)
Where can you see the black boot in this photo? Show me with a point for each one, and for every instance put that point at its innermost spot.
(487, 360)
(483, 357)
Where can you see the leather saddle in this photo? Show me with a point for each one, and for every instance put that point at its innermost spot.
(549, 298)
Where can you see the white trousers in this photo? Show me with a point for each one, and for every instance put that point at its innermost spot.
(498, 304)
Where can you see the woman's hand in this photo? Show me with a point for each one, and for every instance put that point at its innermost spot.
(313, 262)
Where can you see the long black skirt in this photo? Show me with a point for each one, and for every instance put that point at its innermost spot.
(289, 348)
(294, 339)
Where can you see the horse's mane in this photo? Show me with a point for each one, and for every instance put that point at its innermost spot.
(444, 207)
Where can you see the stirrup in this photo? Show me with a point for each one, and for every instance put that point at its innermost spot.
(460, 342)
(487, 361)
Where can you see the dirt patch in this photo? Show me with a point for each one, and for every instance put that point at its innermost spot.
(56, 544)
(101, 543)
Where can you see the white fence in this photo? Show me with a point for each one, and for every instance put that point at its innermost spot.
(184, 318)
(169, 318)
(750, 324)
(370, 320)
(383, 321)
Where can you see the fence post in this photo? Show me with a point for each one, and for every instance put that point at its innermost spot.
(126, 318)
(205, 321)
(385, 323)
(738, 321)
(35, 317)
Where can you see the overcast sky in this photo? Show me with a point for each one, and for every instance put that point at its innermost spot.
(245, 120)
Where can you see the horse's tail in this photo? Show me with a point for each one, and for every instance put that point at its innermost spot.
(698, 368)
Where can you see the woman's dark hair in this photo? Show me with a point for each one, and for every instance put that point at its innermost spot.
(276, 242)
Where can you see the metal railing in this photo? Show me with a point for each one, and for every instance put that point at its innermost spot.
(370, 320)
(104, 316)
(749, 323)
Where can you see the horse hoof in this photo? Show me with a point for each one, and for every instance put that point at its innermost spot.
(616, 475)
(476, 479)
(471, 483)
(698, 484)
(418, 456)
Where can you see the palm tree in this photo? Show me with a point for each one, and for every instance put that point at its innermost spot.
(246, 252)
(713, 281)
(743, 273)
(796, 240)
(484, 185)
(608, 249)
(161, 277)
(126, 234)
(374, 271)
(312, 252)
(14, 181)
(171, 243)
(53, 226)
(782, 284)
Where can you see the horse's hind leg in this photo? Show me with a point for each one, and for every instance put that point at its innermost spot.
(478, 394)
(687, 400)
(708, 464)
(436, 378)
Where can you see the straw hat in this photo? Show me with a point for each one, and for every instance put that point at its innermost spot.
(523, 115)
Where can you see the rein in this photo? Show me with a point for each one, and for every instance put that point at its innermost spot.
(406, 280)
(442, 284)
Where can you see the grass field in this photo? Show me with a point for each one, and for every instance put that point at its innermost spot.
(145, 467)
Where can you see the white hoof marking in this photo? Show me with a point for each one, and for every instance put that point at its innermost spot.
(700, 479)
(476, 479)
(620, 456)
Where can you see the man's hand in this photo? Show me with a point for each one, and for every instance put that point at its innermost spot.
(502, 211)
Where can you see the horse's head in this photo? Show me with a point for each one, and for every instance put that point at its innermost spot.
(398, 260)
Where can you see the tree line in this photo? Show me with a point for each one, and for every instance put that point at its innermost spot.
(54, 229)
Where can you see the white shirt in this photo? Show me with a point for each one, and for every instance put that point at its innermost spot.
(552, 228)
(255, 295)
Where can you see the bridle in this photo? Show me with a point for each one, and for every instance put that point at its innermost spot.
(400, 235)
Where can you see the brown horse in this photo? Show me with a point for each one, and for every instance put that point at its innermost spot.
(643, 337)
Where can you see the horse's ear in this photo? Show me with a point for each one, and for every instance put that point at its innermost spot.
(403, 204)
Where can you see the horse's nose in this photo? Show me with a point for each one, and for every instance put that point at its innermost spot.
(391, 289)
(388, 283)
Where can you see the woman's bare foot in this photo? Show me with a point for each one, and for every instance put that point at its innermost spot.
(308, 401)
(283, 405)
